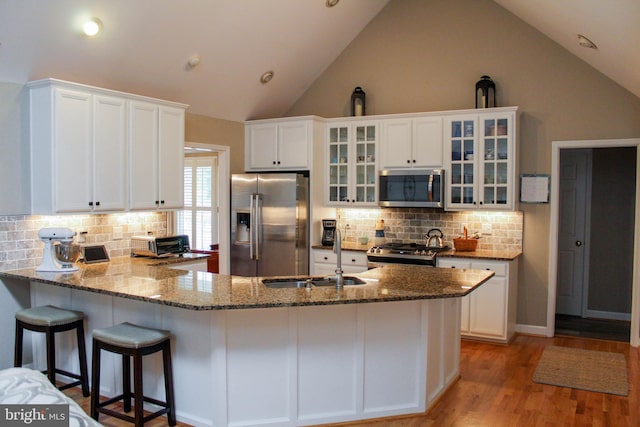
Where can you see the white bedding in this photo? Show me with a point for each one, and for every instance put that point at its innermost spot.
(24, 386)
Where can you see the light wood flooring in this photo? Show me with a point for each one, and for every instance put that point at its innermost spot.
(496, 389)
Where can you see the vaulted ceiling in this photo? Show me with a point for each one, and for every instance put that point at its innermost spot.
(145, 45)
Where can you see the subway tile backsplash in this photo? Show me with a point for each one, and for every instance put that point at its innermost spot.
(504, 230)
(21, 248)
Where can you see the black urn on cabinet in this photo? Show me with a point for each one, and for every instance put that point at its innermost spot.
(485, 93)
(358, 102)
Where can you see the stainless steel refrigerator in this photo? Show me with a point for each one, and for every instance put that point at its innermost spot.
(269, 224)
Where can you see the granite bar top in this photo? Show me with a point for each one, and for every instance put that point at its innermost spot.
(504, 255)
(143, 280)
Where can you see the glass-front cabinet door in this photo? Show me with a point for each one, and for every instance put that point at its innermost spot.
(352, 164)
(463, 172)
(365, 161)
(338, 164)
(495, 162)
(481, 160)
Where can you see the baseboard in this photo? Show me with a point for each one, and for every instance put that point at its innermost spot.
(532, 330)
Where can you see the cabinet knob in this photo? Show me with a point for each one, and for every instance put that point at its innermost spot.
(162, 202)
(453, 266)
(90, 203)
(97, 203)
(274, 162)
(413, 160)
(157, 202)
(326, 258)
(408, 161)
(353, 260)
(278, 161)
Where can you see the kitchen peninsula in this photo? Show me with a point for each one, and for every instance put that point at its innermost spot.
(245, 354)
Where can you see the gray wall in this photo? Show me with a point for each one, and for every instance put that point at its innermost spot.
(14, 145)
(426, 55)
(613, 187)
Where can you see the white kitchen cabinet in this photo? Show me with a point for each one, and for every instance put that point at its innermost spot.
(411, 142)
(277, 145)
(351, 164)
(78, 149)
(480, 160)
(325, 262)
(156, 151)
(489, 312)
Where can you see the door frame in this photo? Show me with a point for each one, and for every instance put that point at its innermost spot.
(224, 213)
(556, 146)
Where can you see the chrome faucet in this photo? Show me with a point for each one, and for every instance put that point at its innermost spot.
(337, 249)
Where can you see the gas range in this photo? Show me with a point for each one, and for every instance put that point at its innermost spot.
(404, 253)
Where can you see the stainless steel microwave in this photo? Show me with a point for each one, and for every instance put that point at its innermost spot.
(411, 188)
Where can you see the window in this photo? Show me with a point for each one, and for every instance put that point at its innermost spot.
(199, 219)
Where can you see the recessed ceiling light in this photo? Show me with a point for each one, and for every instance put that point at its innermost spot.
(92, 27)
(331, 3)
(193, 61)
(266, 77)
(585, 42)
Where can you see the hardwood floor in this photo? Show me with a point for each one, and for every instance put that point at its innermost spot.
(496, 389)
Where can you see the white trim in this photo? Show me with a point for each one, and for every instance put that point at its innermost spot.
(556, 146)
(531, 330)
(224, 178)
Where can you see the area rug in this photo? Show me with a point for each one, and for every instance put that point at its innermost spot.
(600, 371)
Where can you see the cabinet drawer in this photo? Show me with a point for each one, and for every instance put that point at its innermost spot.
(348, 258)
(500, 269)
(453, 263)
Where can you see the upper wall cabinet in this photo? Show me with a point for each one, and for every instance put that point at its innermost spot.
(80, 136)
(279, 144)
(481, 160)
(351, 164)
(411, 142)
(156, 151)
(78, 150)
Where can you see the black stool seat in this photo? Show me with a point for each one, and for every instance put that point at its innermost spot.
(50, 320)
(132, 341)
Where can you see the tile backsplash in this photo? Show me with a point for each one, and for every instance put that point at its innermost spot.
(499, 230)
(21, 248)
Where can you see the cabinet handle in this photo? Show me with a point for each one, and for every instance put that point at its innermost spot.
(162, 202)
(453, 266)
(353, 260)
(90, 203)
(97, 203)
(157, 202)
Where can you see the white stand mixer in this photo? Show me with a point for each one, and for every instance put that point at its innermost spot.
(50, 236)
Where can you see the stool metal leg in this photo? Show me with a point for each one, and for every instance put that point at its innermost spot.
(126, 382)
(95, 380)
(82, 355)
(17, 358)
(138, 389)
(51, 355)
(168, 383)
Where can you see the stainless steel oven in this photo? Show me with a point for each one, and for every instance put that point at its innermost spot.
(403, 253)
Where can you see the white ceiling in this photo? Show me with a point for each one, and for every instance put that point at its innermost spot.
(146, 44)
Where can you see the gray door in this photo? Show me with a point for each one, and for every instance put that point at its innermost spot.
(574, 170)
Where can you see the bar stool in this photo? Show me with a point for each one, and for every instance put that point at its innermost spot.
(50, 320)
(132, 341)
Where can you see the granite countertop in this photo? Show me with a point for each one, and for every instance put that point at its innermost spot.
(504, 255)
(139, 279)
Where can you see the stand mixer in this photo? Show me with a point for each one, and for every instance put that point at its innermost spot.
(52, 236)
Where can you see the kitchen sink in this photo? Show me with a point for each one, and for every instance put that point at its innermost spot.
(311, 281)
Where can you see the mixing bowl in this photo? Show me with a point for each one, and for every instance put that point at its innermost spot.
(67, 253)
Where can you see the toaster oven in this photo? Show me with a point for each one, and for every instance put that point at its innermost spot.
(153, 246)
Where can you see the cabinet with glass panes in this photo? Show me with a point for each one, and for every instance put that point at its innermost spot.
(351, 162)
(480, 159)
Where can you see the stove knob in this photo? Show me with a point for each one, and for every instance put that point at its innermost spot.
(417, 252)
(379, 250)
(423, 253)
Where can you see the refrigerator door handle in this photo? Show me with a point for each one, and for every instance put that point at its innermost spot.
(252, 223)
(257, 225)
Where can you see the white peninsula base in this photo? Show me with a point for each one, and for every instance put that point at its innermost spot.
(287, 366)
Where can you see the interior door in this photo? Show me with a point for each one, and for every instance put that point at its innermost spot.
(574, 170)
